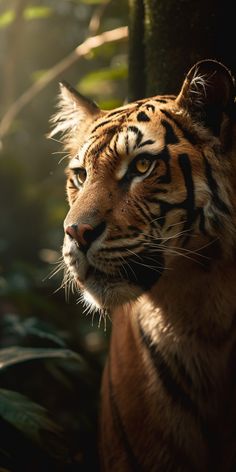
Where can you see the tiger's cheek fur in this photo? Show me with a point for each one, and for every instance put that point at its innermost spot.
(175, 207)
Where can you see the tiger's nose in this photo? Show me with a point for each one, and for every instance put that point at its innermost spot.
(85, 234)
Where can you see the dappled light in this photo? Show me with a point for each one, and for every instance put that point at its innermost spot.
(52, 352)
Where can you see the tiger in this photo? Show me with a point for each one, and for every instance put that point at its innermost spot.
(150, 239)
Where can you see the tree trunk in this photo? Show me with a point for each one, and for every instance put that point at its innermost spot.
(175, 34)
(137, 79)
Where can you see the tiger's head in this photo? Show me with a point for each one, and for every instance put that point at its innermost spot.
(148, 183)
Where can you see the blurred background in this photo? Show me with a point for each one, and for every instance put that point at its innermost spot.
(51, 354)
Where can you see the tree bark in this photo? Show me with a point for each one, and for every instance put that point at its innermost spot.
(177, 34)
(137, 76)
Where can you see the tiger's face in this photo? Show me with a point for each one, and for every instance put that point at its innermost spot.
(147, 184)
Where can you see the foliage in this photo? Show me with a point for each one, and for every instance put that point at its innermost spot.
(51, 355)
(48, 398)
(32, 182)
(30, 13)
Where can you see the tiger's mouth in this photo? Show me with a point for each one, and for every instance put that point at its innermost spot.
(97, 274)
(103, 291)
(136, 275)
(143, 269)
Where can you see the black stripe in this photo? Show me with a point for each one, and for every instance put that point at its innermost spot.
(170, 136)
(185, 165)
(176, 392)
(186, 133)
(169, 443)
(145, 205)
(91, 140)
(202, 225)
(119, 426)
(119, 248)
(187, 204)
(155, 220)
(127, 143)
(149, 106)
(133, 228)
(172, 387)
(116, 262)
(112, 129)
(145, 215)
(145, 143)
(133, 234)
(161, 100)
(183, 371)
(164, 155)
(156, 199)
(100, 124)
(113, 153)
(214, 188)
(139, 134)
(143, 269)
(216, 222)
(121, 111)
(149, 215)
(141, 116)
(99, 149)
(115, 146)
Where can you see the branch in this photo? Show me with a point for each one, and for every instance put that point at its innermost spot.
(93, 42)
(96, 18)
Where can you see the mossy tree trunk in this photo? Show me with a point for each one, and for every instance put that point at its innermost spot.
(168, 36)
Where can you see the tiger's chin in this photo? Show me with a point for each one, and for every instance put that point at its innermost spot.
(105, 295)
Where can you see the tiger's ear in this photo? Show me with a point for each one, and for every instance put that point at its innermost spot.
(74, 112)
(207, 92)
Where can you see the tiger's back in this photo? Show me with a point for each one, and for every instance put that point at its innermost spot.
(150, 236)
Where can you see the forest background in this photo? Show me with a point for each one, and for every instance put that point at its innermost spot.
(51, 354)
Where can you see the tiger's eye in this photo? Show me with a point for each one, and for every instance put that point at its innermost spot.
(142, 165)
(80, 175)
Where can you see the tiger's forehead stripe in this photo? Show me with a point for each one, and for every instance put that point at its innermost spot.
(131, 143)
(128, 140)
(78, 160)
(125, 131)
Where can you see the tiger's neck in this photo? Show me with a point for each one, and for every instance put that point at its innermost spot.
(192, 302)
(171, 363)
(192, 316)
(186, 314)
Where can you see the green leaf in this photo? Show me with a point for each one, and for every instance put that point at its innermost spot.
(6, 18)
(101, 79)
(109, 73)
(13, 325)
(33, 421)
(93, 2)
(30, 13)
(107, 104)
(35, 13)
(16, 354)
